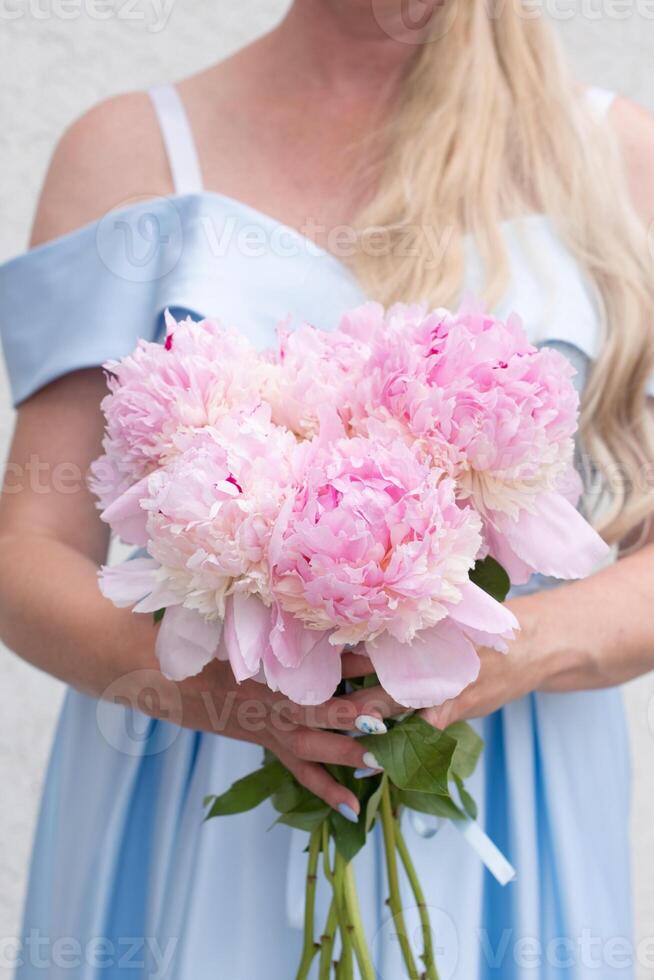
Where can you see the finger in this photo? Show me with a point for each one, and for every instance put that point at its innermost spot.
(317, 780)
(362, 710)
(442, 715)
(356, 665)
(317, 746)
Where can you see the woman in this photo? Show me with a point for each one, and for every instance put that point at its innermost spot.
(455, 132)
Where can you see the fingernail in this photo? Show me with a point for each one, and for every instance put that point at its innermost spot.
(347, 812)
(371, 761)
(364, 773)
(369, 725)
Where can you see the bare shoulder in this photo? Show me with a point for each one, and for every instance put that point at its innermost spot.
(109, 156)
(634, 126)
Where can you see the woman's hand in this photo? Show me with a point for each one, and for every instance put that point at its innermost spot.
(214, 702)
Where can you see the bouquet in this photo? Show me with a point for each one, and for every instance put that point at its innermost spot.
(375, 489)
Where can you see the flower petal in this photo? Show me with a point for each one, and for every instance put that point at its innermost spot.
(437, 666)
(519, 572)
(125, 516)
(186, 642)
(291, 641)
(314, 680)
(128, 582)
(477, 609)
(246, 636)
(555, 540)
(161, 597)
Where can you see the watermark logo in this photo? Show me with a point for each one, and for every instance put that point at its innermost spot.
(142, 241)
(154, 15)
(143, 695)
(387, 952)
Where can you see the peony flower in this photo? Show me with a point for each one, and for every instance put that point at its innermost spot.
(375, 541)
(311, 369)
(376, 549)
(499, 416)
(161, 391)
(206, 519)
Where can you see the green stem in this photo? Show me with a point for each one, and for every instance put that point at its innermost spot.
(327, 868)
(395, 899)
(310, 947)
(419, 895)
(366, 968)
(327, 942)
(345, 969)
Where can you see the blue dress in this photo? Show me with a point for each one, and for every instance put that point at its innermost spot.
(122, 862)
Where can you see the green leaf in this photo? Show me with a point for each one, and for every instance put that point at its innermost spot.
(289, 796)
(308, 815)
(415, 755)
(349, 838)
(249, 792)
(439, 806)
(372, 806)
(489, 575)
(158, 615)
(469, 746)
(467, 802)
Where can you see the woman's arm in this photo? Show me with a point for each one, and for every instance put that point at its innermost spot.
(594, 633)
(52, 540)
(600, 631)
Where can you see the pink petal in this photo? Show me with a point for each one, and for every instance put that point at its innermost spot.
(556, 540)
(314, 680)
(186, 642)
(125, 584)
(125, 516)
(161, 597)
(477, 609)
(437, 666)
(247, 631)
(499, 548)
(290, 639)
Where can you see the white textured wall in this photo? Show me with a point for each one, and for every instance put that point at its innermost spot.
(57, 58)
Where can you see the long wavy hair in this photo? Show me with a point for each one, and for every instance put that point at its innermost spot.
(491, 126)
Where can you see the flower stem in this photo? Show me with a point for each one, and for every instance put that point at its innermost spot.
(395, 899)
(412, 875)
(345, 970)
(366, 968)
(327, 942)
(310, 947)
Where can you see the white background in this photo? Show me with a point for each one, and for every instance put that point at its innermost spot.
(57, 58)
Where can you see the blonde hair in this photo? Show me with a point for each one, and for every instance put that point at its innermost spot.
(490, 127)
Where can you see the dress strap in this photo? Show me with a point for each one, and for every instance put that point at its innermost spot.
(178, 139)
(600, 101)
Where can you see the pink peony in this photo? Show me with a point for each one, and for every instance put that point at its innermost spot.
(160, 391)
(374, 542)
(311, 369)
(498, 415)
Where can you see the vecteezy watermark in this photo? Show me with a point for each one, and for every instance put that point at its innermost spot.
(143, 239)
(503, 951)
(153, 14)
(587, 949)
(41, 477)
(145, 694)
(444, 936)
(426, 21)
(152, 958)
(128, 708)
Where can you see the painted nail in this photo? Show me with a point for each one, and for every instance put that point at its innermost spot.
(369, 725)
(371, 761)
(347, 812)
(365, 773)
